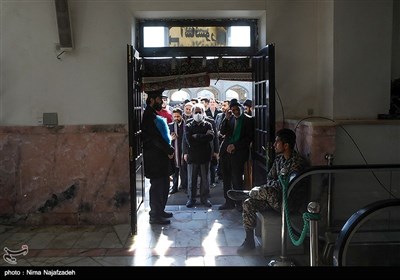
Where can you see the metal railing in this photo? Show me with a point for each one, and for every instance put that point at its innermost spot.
(330, 170)
(354, 223)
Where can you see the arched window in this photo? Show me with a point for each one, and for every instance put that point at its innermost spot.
(230, 94)
(180, 95)
(209, 92)
(238, 92)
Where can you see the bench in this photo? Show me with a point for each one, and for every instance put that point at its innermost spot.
(268, 231)
(268, 235)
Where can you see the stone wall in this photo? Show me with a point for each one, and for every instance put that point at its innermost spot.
(64, 175)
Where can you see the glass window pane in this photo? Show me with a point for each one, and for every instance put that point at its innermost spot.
(196, 36)
(239, 36)
(154, 36)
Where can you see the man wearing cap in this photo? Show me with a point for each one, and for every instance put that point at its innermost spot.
(157, 155)
(248, 107)
(238, 129)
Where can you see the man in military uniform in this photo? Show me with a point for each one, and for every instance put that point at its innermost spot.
(269, 196)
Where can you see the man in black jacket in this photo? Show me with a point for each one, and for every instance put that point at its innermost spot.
(238, 131)
(197, 152)
(157, 156)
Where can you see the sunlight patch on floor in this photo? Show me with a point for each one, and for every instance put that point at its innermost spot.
(210, 243)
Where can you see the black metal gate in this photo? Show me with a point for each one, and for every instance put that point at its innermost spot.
(135, 110)
(264, 112)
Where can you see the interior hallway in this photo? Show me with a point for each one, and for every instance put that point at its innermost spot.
(198, 236)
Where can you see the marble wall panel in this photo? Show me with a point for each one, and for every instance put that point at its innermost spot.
(67, 175)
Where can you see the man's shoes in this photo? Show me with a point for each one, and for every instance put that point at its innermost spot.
(166, 215)
(238, 195)
(173, 190)
(159, 221)
(247, 246)
(190, 203)
(206, 203)
(226, 206)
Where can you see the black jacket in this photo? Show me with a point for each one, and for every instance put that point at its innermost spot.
(198, 148)
(155, 148)
(242, 146)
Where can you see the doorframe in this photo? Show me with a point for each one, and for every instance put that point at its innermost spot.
(264, 108)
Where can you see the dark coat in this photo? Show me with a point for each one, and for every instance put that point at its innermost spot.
(242, 146)
(181, 134)
(216, 112)
(214, 143)
(155, 148)
(198, 148)
(218, 120)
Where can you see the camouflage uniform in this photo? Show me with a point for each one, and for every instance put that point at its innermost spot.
(270, 194)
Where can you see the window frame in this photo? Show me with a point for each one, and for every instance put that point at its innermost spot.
(197, 51)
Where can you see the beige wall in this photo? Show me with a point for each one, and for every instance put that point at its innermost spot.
(323, 66)
(331, 55)
(292, 26)
(362, 58)
(85, 86)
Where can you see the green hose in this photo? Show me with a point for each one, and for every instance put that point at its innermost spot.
(306, 215)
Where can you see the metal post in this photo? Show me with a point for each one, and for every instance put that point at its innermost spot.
(314, 208)
(282, 260)
(329, 160)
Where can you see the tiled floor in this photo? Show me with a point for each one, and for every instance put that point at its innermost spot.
(196, 237)
(199, 237)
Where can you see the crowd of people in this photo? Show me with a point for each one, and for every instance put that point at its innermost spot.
(200, 140)
(211, 138)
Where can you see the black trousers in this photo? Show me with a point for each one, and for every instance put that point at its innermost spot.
(159, 189)
(213, 167)
(232, 170)
(182, 174)
(175, 177)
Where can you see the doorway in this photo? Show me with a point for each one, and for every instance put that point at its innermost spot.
(194, 69)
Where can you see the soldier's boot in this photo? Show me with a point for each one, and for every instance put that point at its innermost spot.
(248, 244)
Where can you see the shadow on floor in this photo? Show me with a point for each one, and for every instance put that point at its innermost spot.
(216, 196)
